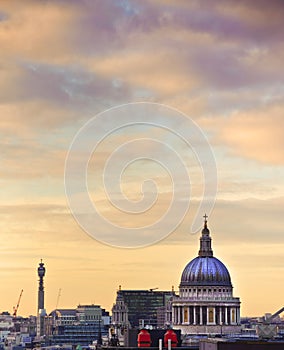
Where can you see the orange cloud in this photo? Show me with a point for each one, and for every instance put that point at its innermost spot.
(256, 134)
(18, 36)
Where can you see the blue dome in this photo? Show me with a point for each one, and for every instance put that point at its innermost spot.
(204, 271)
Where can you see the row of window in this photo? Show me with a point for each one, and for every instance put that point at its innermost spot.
(90, 317)
(205, 290)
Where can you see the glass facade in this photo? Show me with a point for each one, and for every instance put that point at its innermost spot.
(143, 305)
(83, 334)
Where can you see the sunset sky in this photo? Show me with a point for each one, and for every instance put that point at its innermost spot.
(218, 62)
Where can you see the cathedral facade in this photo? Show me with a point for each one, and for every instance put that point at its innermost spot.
(205, 304)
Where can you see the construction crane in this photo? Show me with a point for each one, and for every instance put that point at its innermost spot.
(15, 309)
(267, 330)
(58, 297)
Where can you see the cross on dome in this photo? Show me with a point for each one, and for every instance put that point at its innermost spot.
(205, 220)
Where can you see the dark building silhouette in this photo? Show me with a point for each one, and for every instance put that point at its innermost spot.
(138, 308)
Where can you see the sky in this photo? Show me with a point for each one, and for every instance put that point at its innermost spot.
(218, 64)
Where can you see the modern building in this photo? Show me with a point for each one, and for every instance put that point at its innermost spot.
(62, 317)
(82, 334)
(139, 308)
(80, 326)
(206, 304)
(89, 313)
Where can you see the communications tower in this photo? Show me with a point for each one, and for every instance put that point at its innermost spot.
(41, 273)
(41, 313)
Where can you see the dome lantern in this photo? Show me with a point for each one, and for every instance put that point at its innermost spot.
(205, 241)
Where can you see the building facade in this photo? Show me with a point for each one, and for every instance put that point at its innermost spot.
(89, 313)
(139, 308)
(206, 303)
(83, 325)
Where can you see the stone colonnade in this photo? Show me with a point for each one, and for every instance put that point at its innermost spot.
(206, 315)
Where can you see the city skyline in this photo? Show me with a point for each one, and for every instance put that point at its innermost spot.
(217, 62)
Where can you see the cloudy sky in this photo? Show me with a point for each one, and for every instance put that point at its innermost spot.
(220, 63)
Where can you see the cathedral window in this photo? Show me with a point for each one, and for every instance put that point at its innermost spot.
(211, 315)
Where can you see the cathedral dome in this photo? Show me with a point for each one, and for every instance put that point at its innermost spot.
(205, 270)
